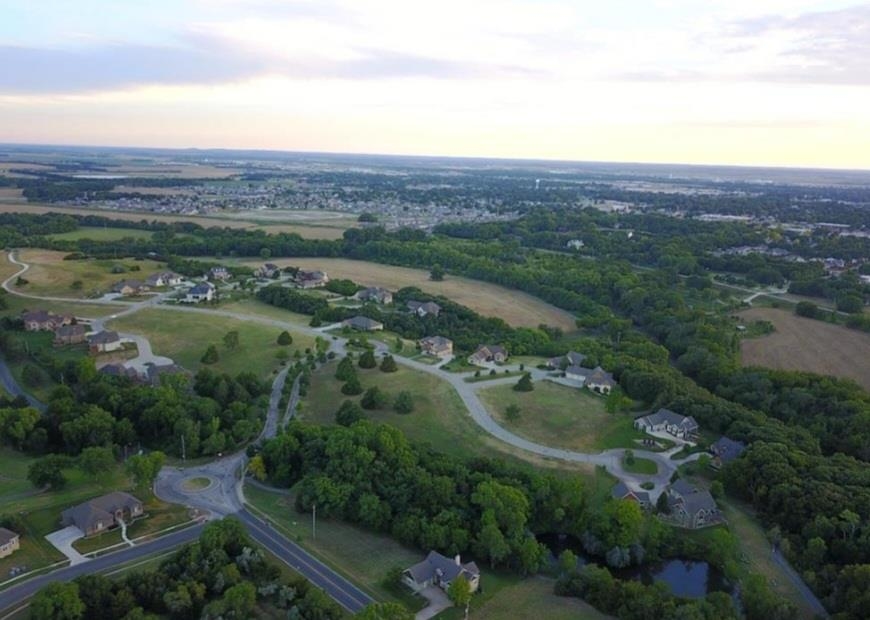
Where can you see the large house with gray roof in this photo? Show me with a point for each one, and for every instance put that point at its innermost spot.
(725, 450)
(684, 427)
(692, 507)
(363, 324)
(440, 570)
(103, 513)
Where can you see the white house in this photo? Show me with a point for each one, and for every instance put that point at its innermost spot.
(440, 570)
(204, 291)
(684, 427)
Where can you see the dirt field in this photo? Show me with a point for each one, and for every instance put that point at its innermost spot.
(515, 307)
(11, 194)
(807, 344)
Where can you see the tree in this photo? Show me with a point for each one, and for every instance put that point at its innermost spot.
(345, 369)
(459, 592)
(257, 468)
(436, 274)
(285, 339)
(96, 460)
(567, 562)
(57, 601)
(240, 599)
(662, 505)
(349, 413)
(48, 471)
(367, 359)
(374, 398)
(231, 340)
(265, 253)
(211, 355)
(389, 364)
(628, 457)
(404, 403)
(33, 376)
(352, 387)
(525, 383)
(385, 611)
(717, 490)
(512, 413)
(144, 468)
(807, 309)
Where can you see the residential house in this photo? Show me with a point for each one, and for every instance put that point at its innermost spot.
(104, 342)
(437, 346)
(311, 279)
(599, 380)
(572, 358)
(218, 274)
(269, 270)
(684, 427)
(129, 287)
(424, 308)
(69, 334)
(726, 450)
(440, 570)
(488, 353)
(204, 291)
(41, 320)
(119, 370)
(375, 294)
(154, 372)
(8, 542)
(692, 507)
(165, 278)
(363, 324)
(621, 491)
(103, 513)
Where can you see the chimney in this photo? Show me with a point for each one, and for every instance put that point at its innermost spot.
(457, 560)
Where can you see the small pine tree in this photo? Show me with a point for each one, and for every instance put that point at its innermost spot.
(389, 364)
(211, 355)
(349, 413)
(352, 387)
(404, 402)
(367, 360)
(285, 339)
(374, 398)
(524, 384)
(512, 412)
(345, 369)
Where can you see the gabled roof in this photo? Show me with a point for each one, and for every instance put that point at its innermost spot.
(104, 337)
(600, 376)
(443, 567)
(201, 289)
(619, 490)
(437, 341)
(577, 370)
(7, 536)
(119, 370)
(38, 316)
(429, 307)
(574, 358)
(362, 322)
(65, 331)
(727, 449)
(692, 498)
(666, 416)
(88, 513)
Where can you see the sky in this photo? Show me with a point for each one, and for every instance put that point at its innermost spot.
(747, 82)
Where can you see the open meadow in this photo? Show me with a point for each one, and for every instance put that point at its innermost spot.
(515, 307)
(807, 344)
(102, 233)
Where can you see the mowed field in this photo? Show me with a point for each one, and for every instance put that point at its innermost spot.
(516, 308)
(100, 233)
(806, 344)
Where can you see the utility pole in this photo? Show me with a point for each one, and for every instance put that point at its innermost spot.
(183, 455)
(314, 521)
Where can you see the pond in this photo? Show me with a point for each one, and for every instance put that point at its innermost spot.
(686, 578)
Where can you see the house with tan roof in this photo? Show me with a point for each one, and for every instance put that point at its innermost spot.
(436, 346)
(103, 513)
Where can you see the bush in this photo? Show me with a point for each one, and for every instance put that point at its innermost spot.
(367, 360)
(374, 398)
(211, 355)
(524, 384)
(404, 403)
(389, 364)
(352, 387)
(285, 339)
(349, 413)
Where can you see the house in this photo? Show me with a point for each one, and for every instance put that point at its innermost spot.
(437, 346)
(375, 294)
(104, 342)
(726, 450)
(572, 358)
(311, 279)
(577, 373)
(692, 507)
(218, 273)
(119, 370)
(166, 278)
(269, 270)
(684, 427)
(69, 334)
(204, 291)
(102, 513)
(129, 287)
(423, 308)
(488, 353)
(599, 380)
(153, 372)
(41, 320)
(8, 542)
(621, 491)
(440, 570)
(363, 324)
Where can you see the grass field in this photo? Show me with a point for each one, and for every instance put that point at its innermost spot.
(102, 234)
(515, 307)
(561, 416)
(439, 417)
(258, 308)
(364, 557)
(806, 344)
(641, 466)
(534, 598)
(50, 275)
(185, 336)
(39, 344)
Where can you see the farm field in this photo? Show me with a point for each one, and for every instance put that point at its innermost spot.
(253, 306)
(50, 275)
(806, 344)
(515, 307)
(99, 233)
(11, 194)
(561, 416)
(439, 417)
(184, 337)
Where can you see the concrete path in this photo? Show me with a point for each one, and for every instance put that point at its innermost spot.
(63, 540)
(438, 602)
(124, 533)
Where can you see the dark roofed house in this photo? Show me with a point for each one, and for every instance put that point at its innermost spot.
(154, 372)
(69, 334)
(572, 358)
(269, 270)
(669, 421)
(104, 341)
(437, 346)
(577, 373)
(621, 491)
(9, 542)
(129, 287)
(311, 279)
(119, 370)
(423, 308)
(439, 570)
(599, 380)
(41, 320)
(692, 507)
(204, 291)
(165, 278)
(375, 294)
(102, 513)
(726, 450)
(363, 324)
(488, 353)
(218, 273)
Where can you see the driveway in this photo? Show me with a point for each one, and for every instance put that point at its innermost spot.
(438, 602)
(63, 541)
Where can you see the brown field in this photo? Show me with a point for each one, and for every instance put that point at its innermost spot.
(11, 194)
(175, 171)
(515, 307)
(310, 229)
(807, 344)
(153, 191)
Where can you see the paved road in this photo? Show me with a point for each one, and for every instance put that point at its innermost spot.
(12, 387)
(16, 595)
(802, 587)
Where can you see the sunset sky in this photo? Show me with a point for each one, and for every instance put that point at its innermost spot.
(778, 82)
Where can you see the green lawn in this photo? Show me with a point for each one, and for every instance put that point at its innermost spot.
(99, 233)
(641, 466)
(185, 336)
(487, 376)
(562, 416)
(363, 556)
(529, 598)
(39, 345)
(250, 305)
